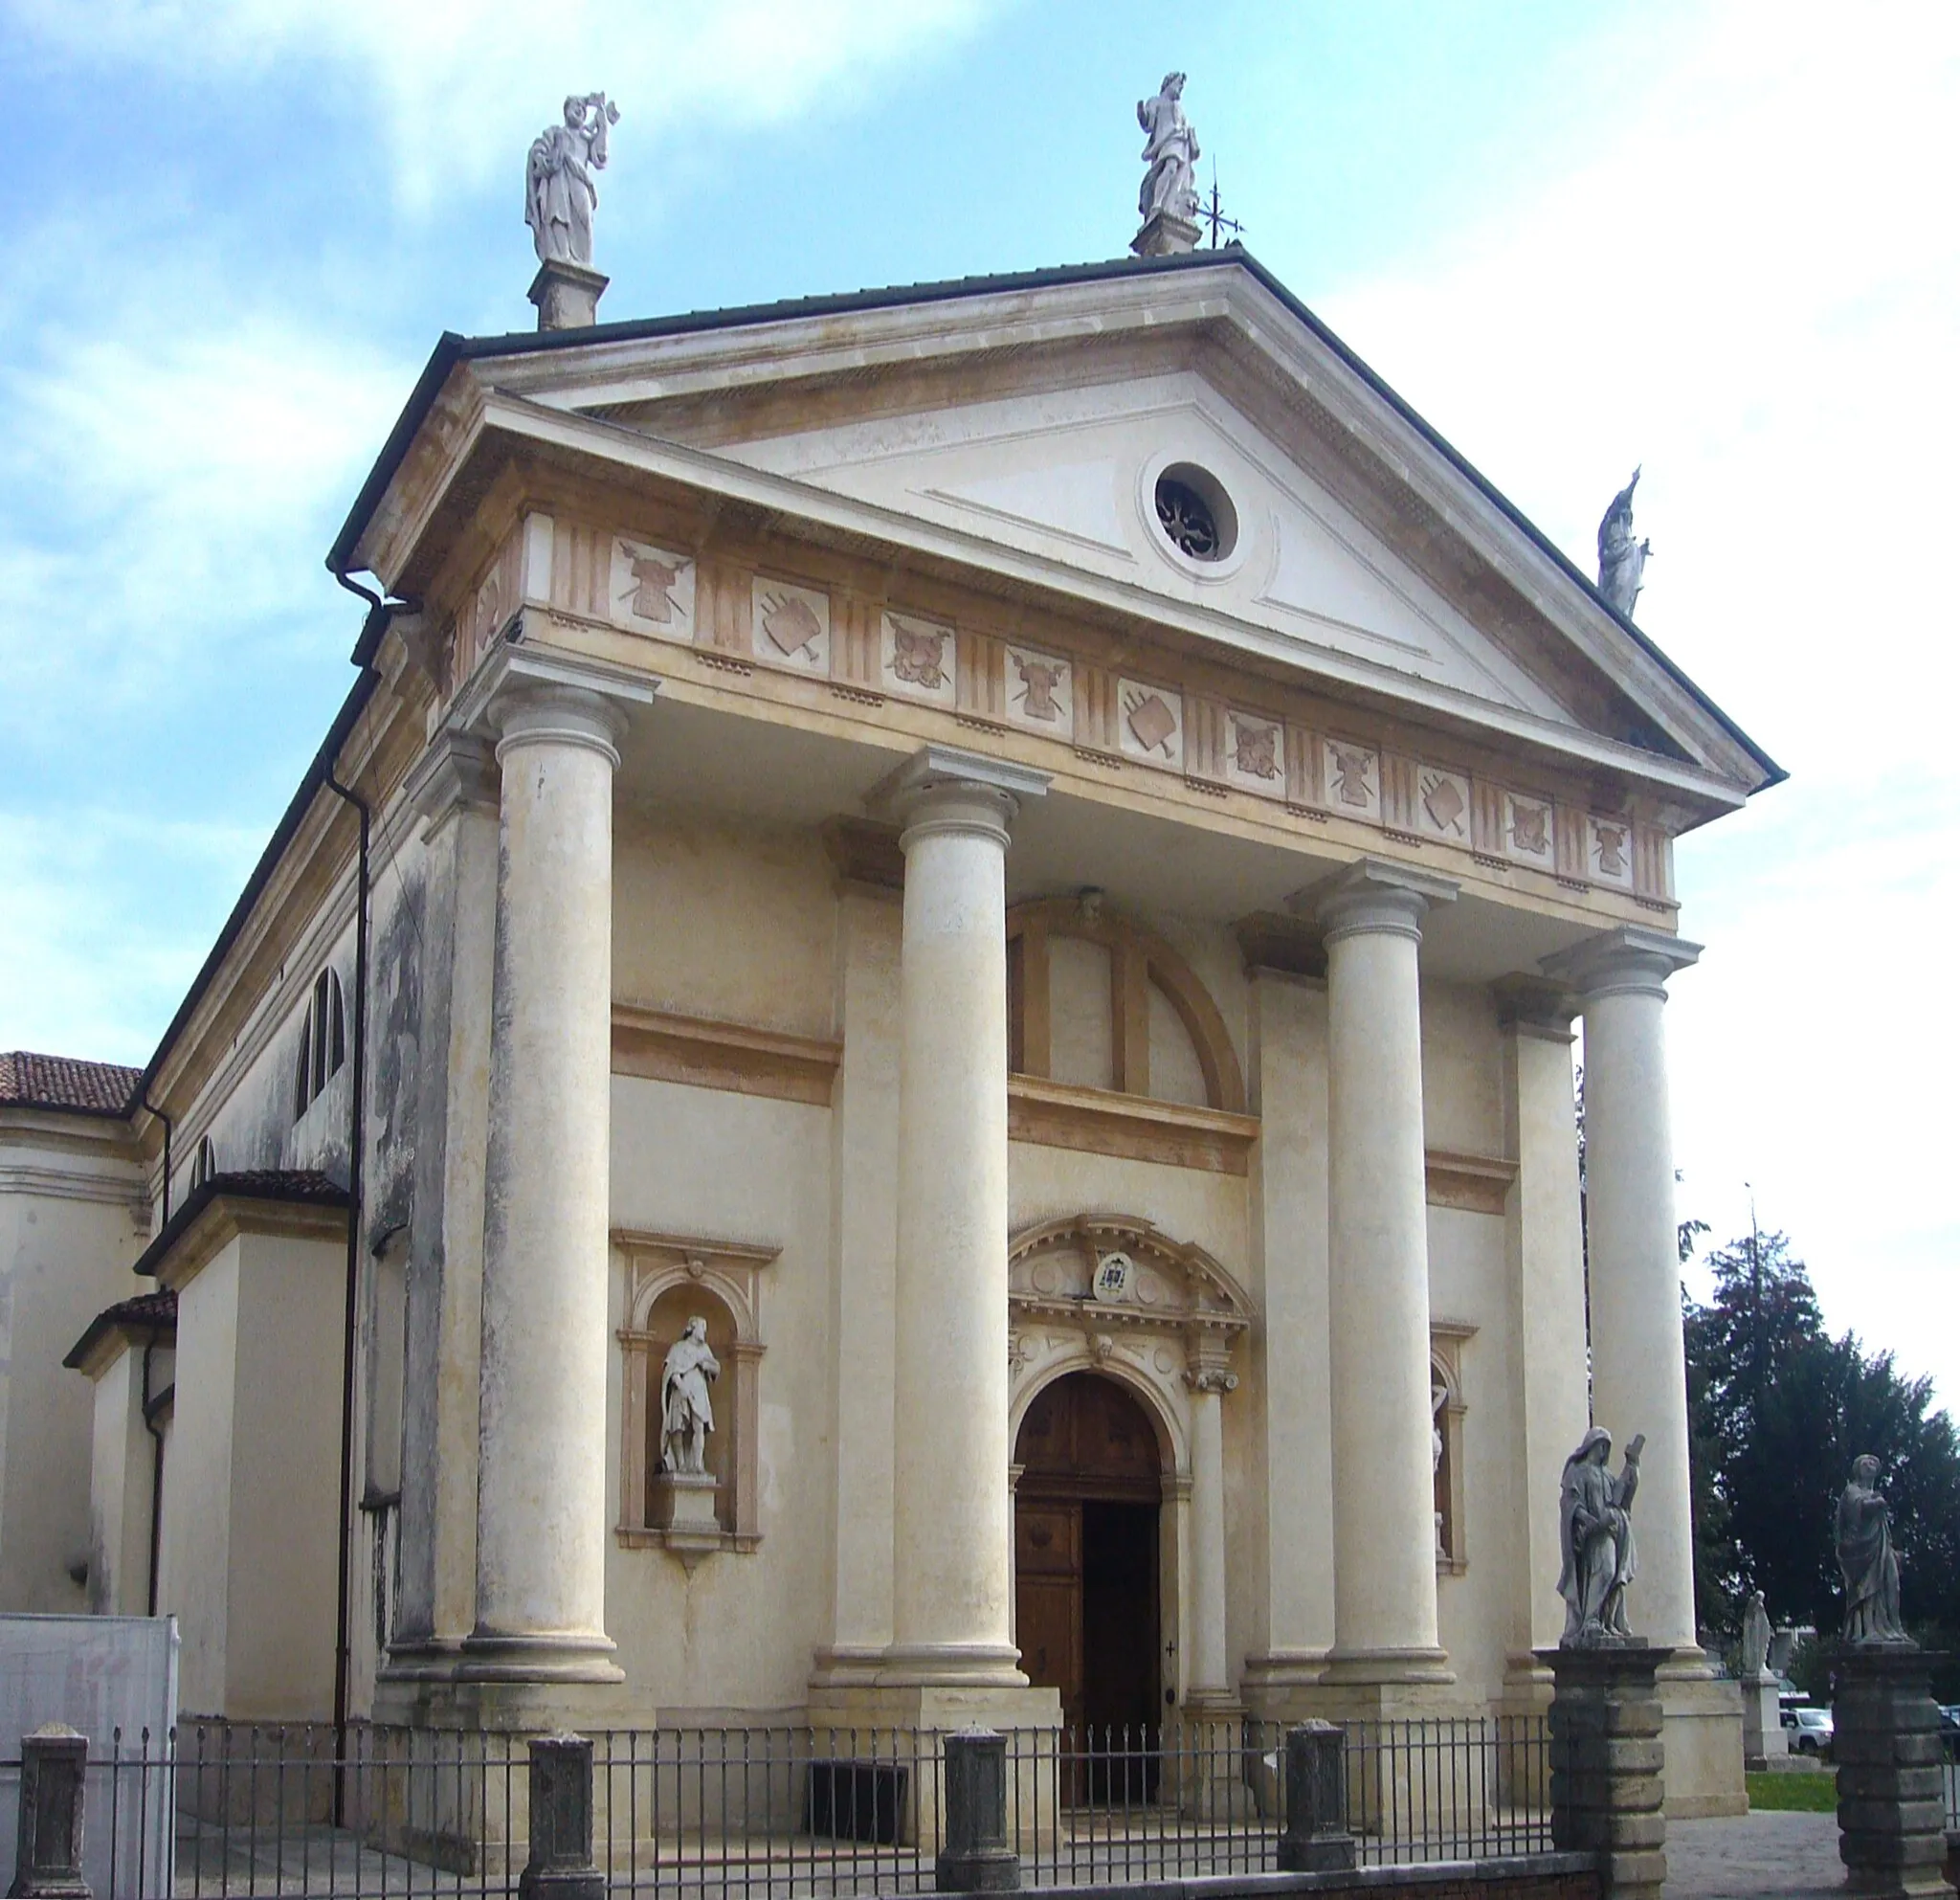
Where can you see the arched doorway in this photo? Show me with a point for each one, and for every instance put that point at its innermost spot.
(1087, 1603)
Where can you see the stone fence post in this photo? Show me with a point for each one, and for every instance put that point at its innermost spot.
(47, 1862)
(1607, 1761)
(976, 1857)
(1316, 1839)
(1891, 1810)
(561, 1866)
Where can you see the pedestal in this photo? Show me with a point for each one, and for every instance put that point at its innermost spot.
(1762, 1739)
(1606, 1764)
(1164, 236)
(1891, 1817)
(567, 296)
(684, 1508)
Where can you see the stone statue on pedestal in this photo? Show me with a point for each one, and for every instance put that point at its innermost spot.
(1866, 1560)
(686, 1416)
(1622, 560)
(560, 195)
(1596, 1537)
(1755, 1637)
(1170, 155)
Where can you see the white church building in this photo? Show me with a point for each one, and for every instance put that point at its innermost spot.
(1028, 851)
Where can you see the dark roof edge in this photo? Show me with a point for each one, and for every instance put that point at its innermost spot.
(87, 1112)
(119, 1314)
(453, 348)
(288, 1189)
(352, 707)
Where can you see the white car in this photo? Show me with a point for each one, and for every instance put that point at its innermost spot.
(1812, 1730)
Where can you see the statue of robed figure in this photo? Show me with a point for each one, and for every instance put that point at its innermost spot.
(1595, 1535)
(1170, 155)
(1622, 560)
(560, 195)
(686, 1414)
(1868, 1561)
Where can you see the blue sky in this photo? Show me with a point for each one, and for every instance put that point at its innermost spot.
(1716, 240)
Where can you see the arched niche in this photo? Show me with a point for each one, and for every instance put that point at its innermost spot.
(668, 1280)
(1447, 1339)
(1139, 966)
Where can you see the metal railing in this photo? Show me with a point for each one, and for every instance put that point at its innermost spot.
(779, 1813)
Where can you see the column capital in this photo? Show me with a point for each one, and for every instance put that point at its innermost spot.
(456, 774)
(510, 692)
(1627, 961)
(945, 788)
(546, 712)
(1373, 897)
(1535, 1006)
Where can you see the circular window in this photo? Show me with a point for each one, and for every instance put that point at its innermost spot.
(1195, 513)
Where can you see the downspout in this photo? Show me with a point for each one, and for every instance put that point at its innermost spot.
(357, 1136)
(151, 1408)
(357, 1139)
(142, 1100)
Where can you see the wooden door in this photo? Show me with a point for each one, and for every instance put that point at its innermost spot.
(1048, 1599)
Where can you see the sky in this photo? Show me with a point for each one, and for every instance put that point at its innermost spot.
(1716, 240)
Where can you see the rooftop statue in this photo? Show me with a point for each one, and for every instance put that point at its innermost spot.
(1866, 1558)
(560, 196)
(1621, 558)
(1170, 152)
(1596, 1537)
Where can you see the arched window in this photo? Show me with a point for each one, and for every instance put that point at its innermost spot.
(203, 1164)
(1099, 1001)
(323, 1042)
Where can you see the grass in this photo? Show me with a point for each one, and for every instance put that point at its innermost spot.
(1793, 1792)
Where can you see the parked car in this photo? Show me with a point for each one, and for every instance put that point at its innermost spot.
(1950, 1731)
(1812, 1730)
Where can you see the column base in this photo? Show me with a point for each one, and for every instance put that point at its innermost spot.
(493, 1656)
(430, 1702)
(1701, 1733)
(931, 1708)
(951, 1666)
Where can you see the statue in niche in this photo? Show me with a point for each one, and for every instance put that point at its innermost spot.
(686, 1414)
(1438, 1398)
(1866, 1558)
(560, 196)
(1595, 1535)
(1170, 155)
(1755, 1638)
(1622, 560)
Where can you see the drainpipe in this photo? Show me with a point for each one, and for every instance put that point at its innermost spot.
(151, 1408)
(357, 1138)
(143, 1102)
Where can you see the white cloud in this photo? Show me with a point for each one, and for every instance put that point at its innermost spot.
(168, 481)
(466, 81)
(87, 966)
(1755, 291)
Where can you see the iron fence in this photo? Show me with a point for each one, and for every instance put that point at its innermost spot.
(793, 1812)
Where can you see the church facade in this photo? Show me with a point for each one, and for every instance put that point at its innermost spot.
(910, 1055)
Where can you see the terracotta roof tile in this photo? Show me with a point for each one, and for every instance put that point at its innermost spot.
(156, 1310)
(277, 1184)
(28, 1081)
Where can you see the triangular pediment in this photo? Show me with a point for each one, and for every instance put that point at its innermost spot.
(1035, 415)
(1073, 476)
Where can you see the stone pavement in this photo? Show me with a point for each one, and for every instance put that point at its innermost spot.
(1755, 1856)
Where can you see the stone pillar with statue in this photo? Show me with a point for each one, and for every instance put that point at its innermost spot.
(1889, 1753)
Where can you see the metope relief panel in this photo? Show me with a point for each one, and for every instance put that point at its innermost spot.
(1255, 754)
(791, 625)
(1528, 837)
(1149, 724)
(917, 658)
(1442, 805)
(1609, 853)
(1352, 779)
(652, 590)
(1040, 692)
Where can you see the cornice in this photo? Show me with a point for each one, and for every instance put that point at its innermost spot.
(228, 1217)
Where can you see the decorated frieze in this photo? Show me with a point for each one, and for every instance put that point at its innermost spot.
(871, 648)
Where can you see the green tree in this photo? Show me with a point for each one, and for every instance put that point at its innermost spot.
(1777, 1410)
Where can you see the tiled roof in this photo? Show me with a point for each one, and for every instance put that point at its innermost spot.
(156, 1312)
(28, 1081)
(304, 1185)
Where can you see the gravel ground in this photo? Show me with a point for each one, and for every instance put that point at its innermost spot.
(1790, 1856)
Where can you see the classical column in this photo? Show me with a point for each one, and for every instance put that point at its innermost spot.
(1385, 1616)
(541, 1493)
(953, 1522)
(1211, 1672)
(1639, 1376)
